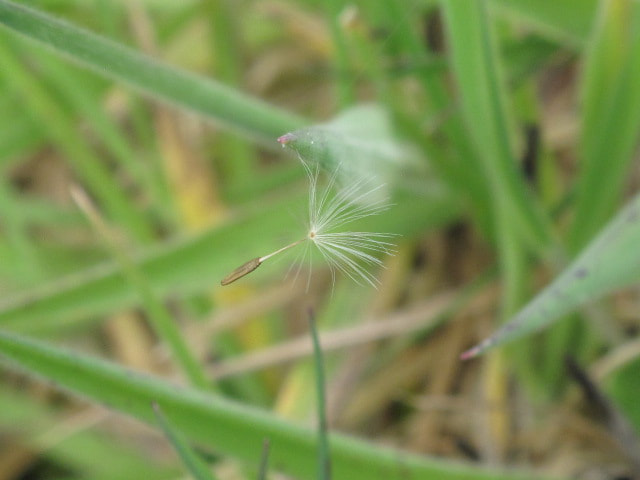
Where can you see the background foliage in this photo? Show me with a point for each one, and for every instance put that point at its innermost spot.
(507, 134)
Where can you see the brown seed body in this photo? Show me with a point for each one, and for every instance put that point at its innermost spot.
(242, 270)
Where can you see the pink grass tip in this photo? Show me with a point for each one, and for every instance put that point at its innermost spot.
(286, 138)
(471, 353)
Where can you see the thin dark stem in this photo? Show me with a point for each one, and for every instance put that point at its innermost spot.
(264, 460)
(324, 460)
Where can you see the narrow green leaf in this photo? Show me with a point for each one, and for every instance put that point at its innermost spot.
(193, 264)
(324, 453)
(191, 92)
(25, 261)
(264, 460)
(19, 135)
(345, 86)
(59, 127)
(198, 468)
(622, 385)
(482, 91)
(88, 104)
(228, 427)
(89, 453)
(611, 117)
(610, 262)
(158, 314)
(568, 20)
(236, 157)
(461, 170)
(518, 218)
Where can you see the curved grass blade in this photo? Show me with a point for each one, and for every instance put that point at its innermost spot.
(85, 162)
(198, 468)
(622, 386)
(610, 262)
(237, 427)
(610, 117)
(193, 264)
(324, 457)
(158, 315)
(569, 20)
(475, 64)
(211, 99)
(70, 443)
(264, 460)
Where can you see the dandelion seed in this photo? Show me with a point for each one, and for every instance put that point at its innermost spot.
(351, 253)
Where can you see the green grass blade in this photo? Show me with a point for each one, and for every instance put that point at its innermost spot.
(610, 262)
(228, 427)
(78, 153)
(25, 259)
(236, 156)
(88, 452)
(622, 385)
(264, 460)
(344, 83)
(461, 170)
(157, 312)
(569, 20)
(193, 264)
(324, 455)
(87, 103)
(477, 73)
(611, 117)
(198, 468)
(213, 100)
(19, 135)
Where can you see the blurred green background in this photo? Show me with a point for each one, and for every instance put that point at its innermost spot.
(506, 132)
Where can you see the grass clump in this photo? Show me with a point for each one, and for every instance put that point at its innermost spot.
(471, 174)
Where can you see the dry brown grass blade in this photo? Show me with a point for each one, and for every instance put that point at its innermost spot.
(422, 316)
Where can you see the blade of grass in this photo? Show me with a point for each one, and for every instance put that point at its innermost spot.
(622, 385)
(569, 20)
(70, 442)
(60, 128)
(158, 313)
(461, 170)
(85, 102)
(296, 396)
(483, 106)
(611, 117)
(198, 468)
(193, 264)
(236, 427)
(25, 257)
(238, 158)
(19, 135)
(324, 455)
(610, 262)
(264, 460)
(345, 93)
(213, 100)
(477, 73)
(520, 222)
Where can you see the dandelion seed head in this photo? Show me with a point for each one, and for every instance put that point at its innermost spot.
(330, 210)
